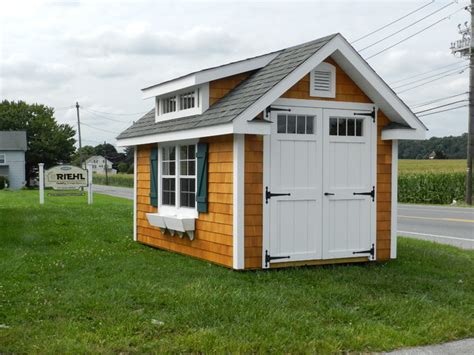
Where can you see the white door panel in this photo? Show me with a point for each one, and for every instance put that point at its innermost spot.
(348, 168)
(295, 160)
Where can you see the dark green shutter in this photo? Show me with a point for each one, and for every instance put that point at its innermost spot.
(154, 177)
(201, 192)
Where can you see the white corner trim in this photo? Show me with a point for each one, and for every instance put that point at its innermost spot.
(266, 207)
(207, 75)
(403, 133)
(194, 133)
(135, 193)
(238, 205)
(394, 207)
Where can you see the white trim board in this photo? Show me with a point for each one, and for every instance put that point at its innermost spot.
(135, 193)
(201, 132)
(394, 214)
(238, 203)
(207, 75)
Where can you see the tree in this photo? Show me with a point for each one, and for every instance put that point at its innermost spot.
(48, 142)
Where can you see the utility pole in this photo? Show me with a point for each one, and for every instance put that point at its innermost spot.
(465, 48)
(106, 167)
(79, 132)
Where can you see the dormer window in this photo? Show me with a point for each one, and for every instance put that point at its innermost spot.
(192, 101)
(323, 81)
(169, 104)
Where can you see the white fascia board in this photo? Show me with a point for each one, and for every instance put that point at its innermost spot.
(178, 135)
(359, 71)
(208, 75)
(373, 86)
(403, 133)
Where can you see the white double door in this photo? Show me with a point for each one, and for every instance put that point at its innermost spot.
(321, 176)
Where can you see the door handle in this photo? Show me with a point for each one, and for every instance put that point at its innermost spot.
(328, 194)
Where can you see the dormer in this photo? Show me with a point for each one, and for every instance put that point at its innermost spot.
(182, 103)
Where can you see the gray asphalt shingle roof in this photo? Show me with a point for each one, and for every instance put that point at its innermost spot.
(236, 101)
(13, 140)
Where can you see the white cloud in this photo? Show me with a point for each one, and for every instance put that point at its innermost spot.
(139, 39)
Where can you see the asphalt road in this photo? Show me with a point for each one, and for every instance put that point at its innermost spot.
(448, 225)
(124, 192)
(442, 224)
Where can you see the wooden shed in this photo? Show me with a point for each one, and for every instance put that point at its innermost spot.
(288, 158)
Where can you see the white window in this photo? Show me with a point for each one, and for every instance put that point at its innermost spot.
(178, 176)
(295, 124)
(188, 102)
(323, 81)
(346, 127)
(2, 159)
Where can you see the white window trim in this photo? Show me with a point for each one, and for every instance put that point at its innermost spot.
(201, 99)
(176, 210)
(324, 67)
(4, 159)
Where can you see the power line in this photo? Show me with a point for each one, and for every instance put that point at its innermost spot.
(100, 129)
(426, 72)
(437, 100)
(414, 34)
(449, 109)
(436, 107)
(106, 118)
(391, 23)
(431, 76)
(407, 26)
(430, 81)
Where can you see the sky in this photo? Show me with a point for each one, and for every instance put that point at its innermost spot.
(102, 53)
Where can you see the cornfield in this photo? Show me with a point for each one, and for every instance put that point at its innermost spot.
(431, 188)
(124, 180)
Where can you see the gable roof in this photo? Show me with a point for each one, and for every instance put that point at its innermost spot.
(13, 140)
(239, 99)
(267, 84)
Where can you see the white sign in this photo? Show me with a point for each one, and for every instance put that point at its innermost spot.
(65, 177)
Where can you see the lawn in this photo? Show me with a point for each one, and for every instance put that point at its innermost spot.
(73, 281)
(406, 166)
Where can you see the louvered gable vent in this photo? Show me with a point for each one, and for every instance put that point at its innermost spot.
(323, 81)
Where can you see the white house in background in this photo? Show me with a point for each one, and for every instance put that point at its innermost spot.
(12, 157)
(98, 165)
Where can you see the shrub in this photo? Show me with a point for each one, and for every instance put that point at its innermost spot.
(436, 188)
(4, 182)
(124, 180)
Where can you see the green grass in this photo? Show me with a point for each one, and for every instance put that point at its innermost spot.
(73, 281)
(124, 180)
(406, 166)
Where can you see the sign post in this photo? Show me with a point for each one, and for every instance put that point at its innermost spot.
(41, 182)
(90, 197)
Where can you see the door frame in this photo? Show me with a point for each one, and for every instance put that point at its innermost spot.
(356, 106)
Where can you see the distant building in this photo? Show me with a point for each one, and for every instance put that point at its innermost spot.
(98, 165)
(12, 157)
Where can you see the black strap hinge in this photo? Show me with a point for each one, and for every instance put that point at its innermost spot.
(368, 193)
(269, 195)
(269, 258)
(370, 114)
(371, 251)
(270, 109)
